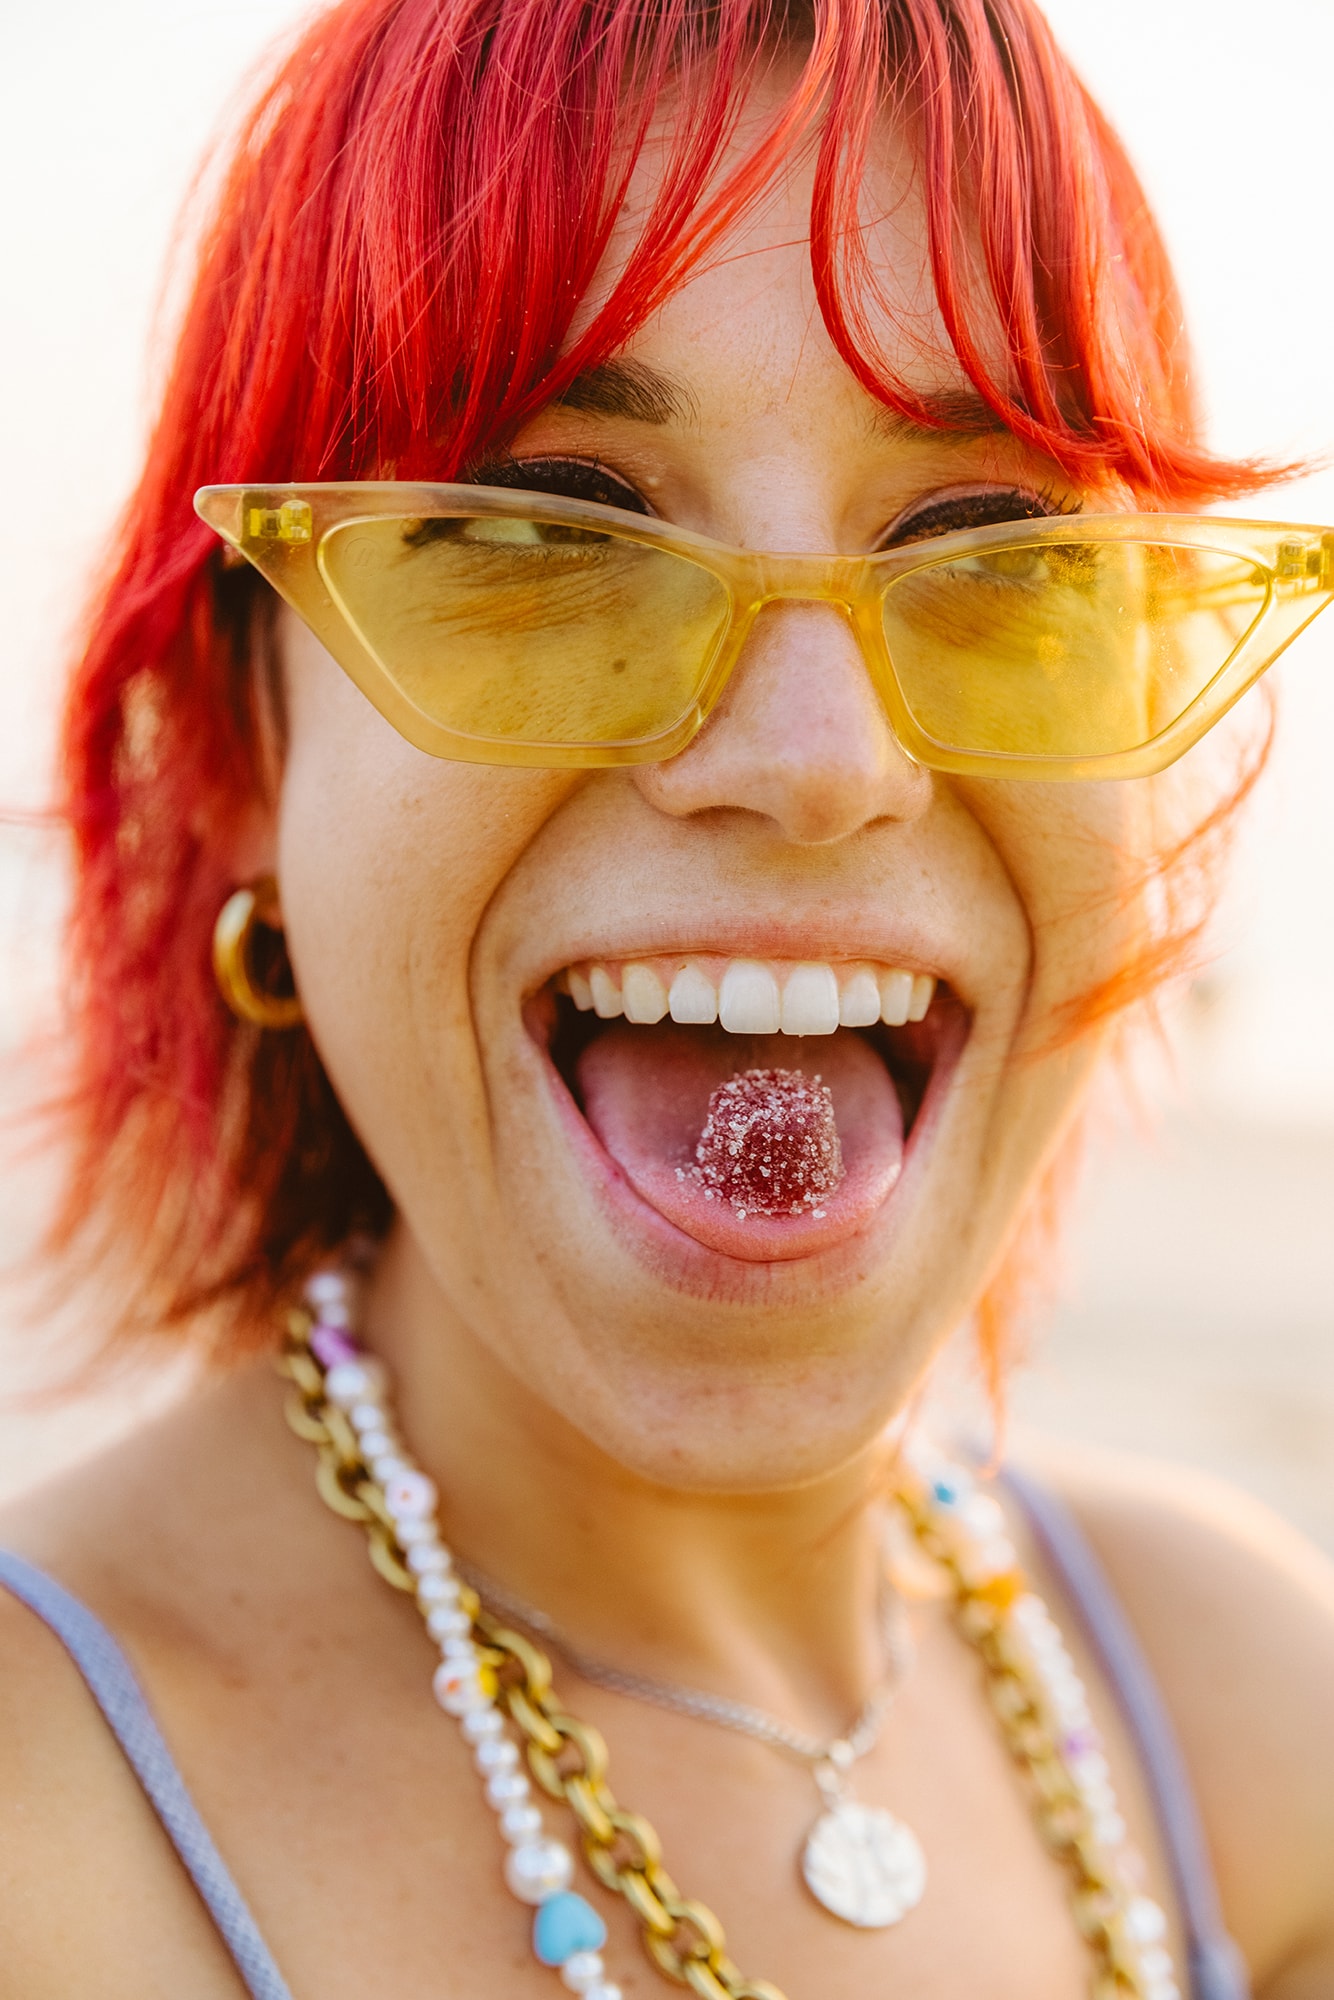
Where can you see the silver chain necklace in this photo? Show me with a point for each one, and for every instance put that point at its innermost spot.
(860, 1862)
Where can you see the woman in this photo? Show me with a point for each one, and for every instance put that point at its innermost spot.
(627, 989)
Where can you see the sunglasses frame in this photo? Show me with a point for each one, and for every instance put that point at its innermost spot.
(281, 529)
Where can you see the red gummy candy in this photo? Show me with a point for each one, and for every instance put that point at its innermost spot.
(770, 1144)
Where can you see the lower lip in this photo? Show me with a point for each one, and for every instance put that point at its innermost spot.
(803, 1246)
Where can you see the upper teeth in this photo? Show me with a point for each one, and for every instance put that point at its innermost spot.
(751, 996)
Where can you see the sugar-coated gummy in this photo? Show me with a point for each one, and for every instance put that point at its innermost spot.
(770, 1144)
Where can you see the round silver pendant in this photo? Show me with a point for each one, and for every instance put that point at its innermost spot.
(864, 1865)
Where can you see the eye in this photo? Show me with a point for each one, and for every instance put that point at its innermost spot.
(565, 478)
(571, 478)
(949, 513)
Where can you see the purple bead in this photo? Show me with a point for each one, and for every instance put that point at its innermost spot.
(1080, 1742)
(331, 1344)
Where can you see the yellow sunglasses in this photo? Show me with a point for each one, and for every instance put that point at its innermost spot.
(500, 627)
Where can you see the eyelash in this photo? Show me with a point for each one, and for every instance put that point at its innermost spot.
(588, 479)
(984, 509)
(572, 478)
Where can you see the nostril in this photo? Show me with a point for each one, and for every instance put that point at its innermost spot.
(799, 737)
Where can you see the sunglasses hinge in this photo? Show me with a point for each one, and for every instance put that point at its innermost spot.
(291, 522)
(1307, 564)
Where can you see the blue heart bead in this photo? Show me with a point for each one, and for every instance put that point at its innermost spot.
(565, 1924)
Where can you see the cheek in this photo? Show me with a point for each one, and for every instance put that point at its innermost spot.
(1077, 856)
(387, 861)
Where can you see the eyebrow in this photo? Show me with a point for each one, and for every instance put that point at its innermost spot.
(647, 395)
(629, 389)
(955, 414)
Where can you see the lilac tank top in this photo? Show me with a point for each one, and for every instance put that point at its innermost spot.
(1215, 1967)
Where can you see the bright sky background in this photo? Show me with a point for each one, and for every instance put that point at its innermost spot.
(1226, 109)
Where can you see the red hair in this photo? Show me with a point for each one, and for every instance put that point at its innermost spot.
(413, 214)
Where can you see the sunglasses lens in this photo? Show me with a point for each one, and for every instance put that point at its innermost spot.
(1066, 649)
(518, 631)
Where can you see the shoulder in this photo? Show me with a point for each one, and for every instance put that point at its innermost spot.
(1235, 1611)
(79, 1851)
(87, 1872)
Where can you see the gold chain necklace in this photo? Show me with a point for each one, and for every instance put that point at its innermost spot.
(861, 1862)
(491, 1675)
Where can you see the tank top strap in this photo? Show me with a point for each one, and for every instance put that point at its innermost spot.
(111, 1681)
(1217, 1970)
(1215, 1965)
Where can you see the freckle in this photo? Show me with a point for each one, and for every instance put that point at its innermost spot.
(619, 666)
(770, 1144)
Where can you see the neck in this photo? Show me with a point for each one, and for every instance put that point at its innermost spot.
(771, 1597)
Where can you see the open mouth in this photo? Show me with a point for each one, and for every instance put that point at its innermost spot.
(763, 1108)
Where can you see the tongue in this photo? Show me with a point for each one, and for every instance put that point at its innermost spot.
(646, 1094)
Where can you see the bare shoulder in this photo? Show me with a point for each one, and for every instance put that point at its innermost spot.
(87, 1875)
(1235, 1611)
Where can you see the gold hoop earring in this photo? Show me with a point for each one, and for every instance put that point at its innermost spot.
(233, 934)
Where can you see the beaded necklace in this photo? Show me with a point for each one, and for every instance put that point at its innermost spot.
(497, 1685)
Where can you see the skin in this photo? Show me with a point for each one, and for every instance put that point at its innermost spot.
(670, 1451)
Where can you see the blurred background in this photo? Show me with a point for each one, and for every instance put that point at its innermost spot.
(1197, 1316)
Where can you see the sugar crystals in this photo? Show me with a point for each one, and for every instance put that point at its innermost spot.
(770, 1145)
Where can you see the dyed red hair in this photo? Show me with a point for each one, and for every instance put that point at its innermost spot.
(414, 210)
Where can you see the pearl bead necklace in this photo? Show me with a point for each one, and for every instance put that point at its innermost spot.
(1035, 1688)
(568, 1933)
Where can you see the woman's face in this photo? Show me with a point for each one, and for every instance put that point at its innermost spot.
(540, 1158)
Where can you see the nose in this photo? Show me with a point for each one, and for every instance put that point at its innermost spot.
(799, 737)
